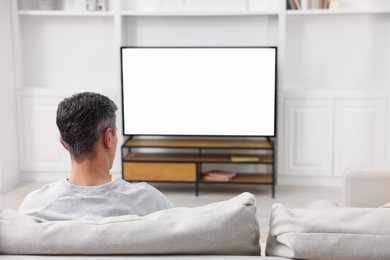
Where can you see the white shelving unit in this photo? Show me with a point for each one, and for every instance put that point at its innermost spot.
(336, 12)
(326, 59)
(336, 64)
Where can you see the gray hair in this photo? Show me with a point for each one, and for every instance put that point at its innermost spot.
(81, 119)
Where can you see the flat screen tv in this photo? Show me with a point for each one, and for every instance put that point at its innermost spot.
(199, 91)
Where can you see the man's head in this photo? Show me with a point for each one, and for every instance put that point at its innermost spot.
(81, 119)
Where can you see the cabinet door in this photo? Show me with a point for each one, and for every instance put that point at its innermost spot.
(308, 137)
(359, 133)
(40, 147)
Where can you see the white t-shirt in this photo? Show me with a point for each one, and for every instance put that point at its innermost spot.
(64, 201)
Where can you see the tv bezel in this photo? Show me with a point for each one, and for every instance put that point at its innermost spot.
(202, 47)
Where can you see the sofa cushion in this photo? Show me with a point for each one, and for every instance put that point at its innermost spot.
(138, 257)
(339, 233)
(227, 227)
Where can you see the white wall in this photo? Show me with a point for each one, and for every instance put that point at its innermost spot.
(9, 170)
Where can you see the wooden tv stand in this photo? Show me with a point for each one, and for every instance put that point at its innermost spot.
(172, 165)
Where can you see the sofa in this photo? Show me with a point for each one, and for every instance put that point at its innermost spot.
(229, 229)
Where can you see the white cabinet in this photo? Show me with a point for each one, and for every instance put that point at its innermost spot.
(308, 139)
(41, 153)
(323, 136)
(360, 133)
(39, 146)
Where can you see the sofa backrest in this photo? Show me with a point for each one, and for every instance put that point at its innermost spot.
(225, 228)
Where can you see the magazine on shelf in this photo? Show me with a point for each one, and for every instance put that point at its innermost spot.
(247, 158)
(217, 175)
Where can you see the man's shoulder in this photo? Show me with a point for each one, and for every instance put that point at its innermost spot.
(134, 186)
(38, 199)
(53, 185)
(147, 195)
(47, 189)
(139, 187)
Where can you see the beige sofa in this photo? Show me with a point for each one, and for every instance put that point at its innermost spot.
(225, 230)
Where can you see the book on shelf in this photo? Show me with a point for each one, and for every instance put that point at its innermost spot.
(311, 4)
(294, 4)
(245, 158)
(291, 5)
(320, 4)
(297, 4)
(216, 175)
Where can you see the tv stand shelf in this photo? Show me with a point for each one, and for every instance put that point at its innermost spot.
(184, 166)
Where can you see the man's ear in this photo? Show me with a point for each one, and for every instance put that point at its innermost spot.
(107, 137)
(63, 144)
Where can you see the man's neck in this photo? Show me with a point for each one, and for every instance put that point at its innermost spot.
(88, 173)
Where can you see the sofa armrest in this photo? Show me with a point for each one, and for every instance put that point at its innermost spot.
(366, 187)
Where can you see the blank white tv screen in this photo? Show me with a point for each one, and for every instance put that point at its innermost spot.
(192, 91)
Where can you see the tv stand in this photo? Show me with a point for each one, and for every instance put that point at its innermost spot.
(173, 165)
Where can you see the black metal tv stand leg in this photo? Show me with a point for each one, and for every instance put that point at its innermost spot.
(273, 166)
(198, 170)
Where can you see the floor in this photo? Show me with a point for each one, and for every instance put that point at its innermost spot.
(183, 195)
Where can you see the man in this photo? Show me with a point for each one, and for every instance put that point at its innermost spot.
(86, 122)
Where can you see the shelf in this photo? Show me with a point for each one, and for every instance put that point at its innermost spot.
(203, 13)
(65, 13)
(203, 158)
(198, 13)
(246, 178)
(185, 166)
(336, 12)
(206, 144)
